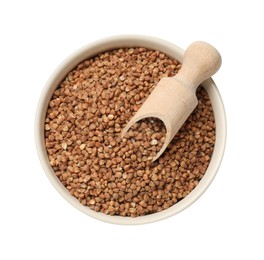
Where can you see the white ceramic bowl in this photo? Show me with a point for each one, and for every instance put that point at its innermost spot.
(114, 43)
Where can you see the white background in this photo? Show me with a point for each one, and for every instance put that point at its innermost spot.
(227, 222)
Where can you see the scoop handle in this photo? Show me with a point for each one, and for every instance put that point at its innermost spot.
(200, 62)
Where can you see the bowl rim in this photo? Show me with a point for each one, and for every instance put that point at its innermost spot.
(121, 41)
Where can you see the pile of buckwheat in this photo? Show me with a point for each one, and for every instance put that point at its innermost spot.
(116, 176)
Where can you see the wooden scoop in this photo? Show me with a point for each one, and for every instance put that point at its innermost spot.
(174, 98)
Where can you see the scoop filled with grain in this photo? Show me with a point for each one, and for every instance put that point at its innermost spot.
(174, 98)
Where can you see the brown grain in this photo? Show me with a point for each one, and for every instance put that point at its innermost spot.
(112, 175)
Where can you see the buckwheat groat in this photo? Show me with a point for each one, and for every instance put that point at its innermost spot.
(116, 176)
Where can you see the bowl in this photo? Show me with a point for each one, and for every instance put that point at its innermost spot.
(111, 43)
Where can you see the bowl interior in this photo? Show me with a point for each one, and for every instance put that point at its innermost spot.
(114, 43)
